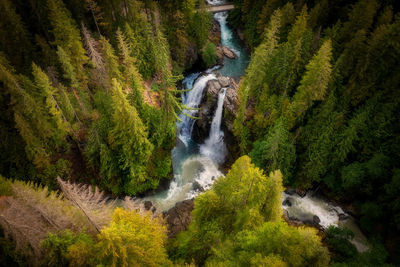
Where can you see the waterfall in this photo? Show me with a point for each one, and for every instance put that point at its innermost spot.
(214, 147)
(196, 167)
(192, 99)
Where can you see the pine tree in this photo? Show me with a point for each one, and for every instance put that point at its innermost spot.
(49, 95)
(133, 78)
(13, 34)
(96, 12)
(96, 207)
(32, 212)
(313, 84)
(275, 151)
(252, 85)
(128, 136)
(110, 61)
(41, 127)
(66, 34)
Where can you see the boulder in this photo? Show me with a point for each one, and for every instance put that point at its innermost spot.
(197, 186)
(290, 191)
(316, 220)
(301, 192)
(224, 81)
(287, 202)
(228, 53)
(148, 205)
(179, 217)
(213, 88)
(343, 216)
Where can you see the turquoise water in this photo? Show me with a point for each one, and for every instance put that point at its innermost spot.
(198, 164)
(232, 67)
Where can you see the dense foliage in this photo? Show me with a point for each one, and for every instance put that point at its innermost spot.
(89, 94)
(239, 222)
(75, 102)
(320, 98)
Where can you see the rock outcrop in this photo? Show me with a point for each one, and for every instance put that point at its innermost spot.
(229, 53)
(209, 104)
(179, 217)
(220, 56)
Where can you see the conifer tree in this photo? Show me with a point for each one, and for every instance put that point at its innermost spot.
(313, 84)
(128, 136)
(94, 55)
(254, 78)
(41, 127)
(49, 95)
(275, 151)
(133, 79)
(13, 34)
(66, 34)
(110, 61)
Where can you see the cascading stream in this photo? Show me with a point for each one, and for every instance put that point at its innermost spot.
(214, 147)
(192, 99)
(196, 166)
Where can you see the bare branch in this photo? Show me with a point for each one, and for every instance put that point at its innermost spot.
(91, 201)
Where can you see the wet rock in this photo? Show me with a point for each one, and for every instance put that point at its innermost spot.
(179, 217)
(224, 81)
(290, 191)
(213, 88)
(316, 220)
(228, 53)
(343, 217)
(197, 187)
(285, 215)
(148, 205)
(220, 56)
(231, 103)
(301, 192)
(287, 202)
(295, 223)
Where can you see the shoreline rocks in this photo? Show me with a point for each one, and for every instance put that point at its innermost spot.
(179, 217)
(228, 52)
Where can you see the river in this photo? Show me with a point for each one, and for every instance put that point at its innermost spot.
(197, 166)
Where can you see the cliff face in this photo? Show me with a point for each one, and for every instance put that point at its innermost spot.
(207, 110)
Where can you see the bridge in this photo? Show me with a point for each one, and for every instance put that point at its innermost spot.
(220, 8)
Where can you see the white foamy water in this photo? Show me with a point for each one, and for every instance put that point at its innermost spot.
(192, 99)
(304, 209)
(214, 147)
(216, 2)
(308, 206)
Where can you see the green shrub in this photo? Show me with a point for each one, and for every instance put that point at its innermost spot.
(209, 54)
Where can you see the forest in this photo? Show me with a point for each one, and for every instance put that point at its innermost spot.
(93, 100)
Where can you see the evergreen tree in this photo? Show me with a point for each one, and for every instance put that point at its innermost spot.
(110, 61)
(128, 136)
(275, 151)
(313, 84)
(133, 79)
(66, 35)
(252, 85)
(13, 34)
